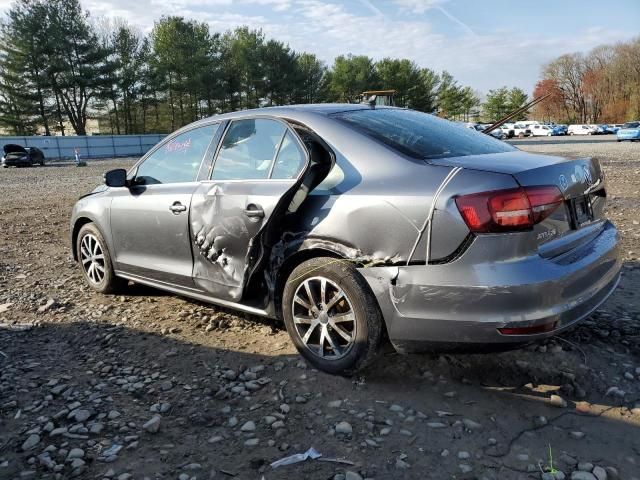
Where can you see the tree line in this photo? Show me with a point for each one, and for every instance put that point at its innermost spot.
(602, 86)
(60, 67)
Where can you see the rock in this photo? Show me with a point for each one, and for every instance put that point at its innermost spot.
(344, 428)
(252, 442)
(437, 425)
(585, 466)
(401, 464)
(471, 425)
(577, 435)
(464, 455)
(396, 408)
(80, 415)
(558, 401)
(600, 473)
(248, 427)
(75, 453)
(464, 468)
(580, 475)
(153, 425)
(30, 442)
(615, 392)
(51, 302)
(334, 404)
(350, 475)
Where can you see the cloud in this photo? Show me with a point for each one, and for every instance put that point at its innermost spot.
(329, 28)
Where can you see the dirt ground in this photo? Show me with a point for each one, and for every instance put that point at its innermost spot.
(148, 385)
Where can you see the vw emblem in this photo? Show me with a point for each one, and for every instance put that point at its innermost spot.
(587, 175)
(563, 182)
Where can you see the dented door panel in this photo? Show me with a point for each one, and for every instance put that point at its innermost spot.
(223, 228)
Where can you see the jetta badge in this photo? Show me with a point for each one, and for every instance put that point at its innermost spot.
(563, 182)
(587, 175)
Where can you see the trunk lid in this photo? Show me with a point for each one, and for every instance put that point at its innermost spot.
(581, 182)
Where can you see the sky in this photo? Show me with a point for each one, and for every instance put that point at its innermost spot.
(484, 44)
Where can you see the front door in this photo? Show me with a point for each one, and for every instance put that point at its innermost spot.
(259, 161)
(150, 219)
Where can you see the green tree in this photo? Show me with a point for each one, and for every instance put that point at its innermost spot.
(497, 104)
(181, 57)
(450, 96)
(26, 87)
(312, 79)
(281, 73)
(352, 75)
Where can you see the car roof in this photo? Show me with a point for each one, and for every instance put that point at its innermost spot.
(293, 112)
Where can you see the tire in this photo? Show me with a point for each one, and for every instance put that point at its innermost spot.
(521, 135)
(357, 303)
(103, 280)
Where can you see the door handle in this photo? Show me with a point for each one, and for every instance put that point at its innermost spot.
(177, 207)
(254, 211)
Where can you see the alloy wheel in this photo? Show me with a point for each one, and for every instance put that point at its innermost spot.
(324, 318)
(92, 257)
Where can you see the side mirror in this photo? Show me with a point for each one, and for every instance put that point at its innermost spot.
(116, 178)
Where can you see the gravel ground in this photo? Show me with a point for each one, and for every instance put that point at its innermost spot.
(148, 385)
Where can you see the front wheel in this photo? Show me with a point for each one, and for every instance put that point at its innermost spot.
(95, 261)
(332, 315)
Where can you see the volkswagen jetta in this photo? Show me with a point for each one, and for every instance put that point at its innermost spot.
(356, 224)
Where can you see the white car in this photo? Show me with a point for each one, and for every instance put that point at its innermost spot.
(541, 130)
(581, 129)
(520, 130)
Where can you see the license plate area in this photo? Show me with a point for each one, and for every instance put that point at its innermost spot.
(581, 211)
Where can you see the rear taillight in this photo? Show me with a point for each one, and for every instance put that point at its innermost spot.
(508, 210)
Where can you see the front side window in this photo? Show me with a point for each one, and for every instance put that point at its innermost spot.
(248, 149)
(290, 160)
(177, 160)
(420, 135)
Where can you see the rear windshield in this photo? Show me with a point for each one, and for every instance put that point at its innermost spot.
(632, 125)
(420, 135)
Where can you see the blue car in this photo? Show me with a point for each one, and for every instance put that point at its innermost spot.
(629, 131)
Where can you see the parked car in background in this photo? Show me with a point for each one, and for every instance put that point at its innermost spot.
(561, 128)
(479, 127)
(508, 130)
(355, 224)
(629, 131)
(543, 131)
(19, 156)
(521, 130)
(581, 129)
(609, 129)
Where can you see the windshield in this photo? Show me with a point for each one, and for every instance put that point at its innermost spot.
(631, 125)
(420, 135)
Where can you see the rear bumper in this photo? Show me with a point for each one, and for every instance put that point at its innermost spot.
(439, 306)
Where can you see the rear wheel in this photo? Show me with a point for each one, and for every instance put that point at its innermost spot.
(332, 315)
(95, 261)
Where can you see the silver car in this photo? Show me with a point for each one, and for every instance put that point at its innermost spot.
(354, 224)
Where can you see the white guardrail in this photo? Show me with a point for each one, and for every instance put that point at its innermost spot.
(90, 146)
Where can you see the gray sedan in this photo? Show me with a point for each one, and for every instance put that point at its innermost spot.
(356, 224)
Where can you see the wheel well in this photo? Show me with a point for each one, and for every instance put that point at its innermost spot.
(290, 263)
(80, 222)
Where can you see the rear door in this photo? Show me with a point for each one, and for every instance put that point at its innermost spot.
(150, 219)
(261, 164)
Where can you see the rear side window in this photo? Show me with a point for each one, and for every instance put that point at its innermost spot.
(178, 159)
(248, 149)
(631, 125)
(420, 135)
(290, 159)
